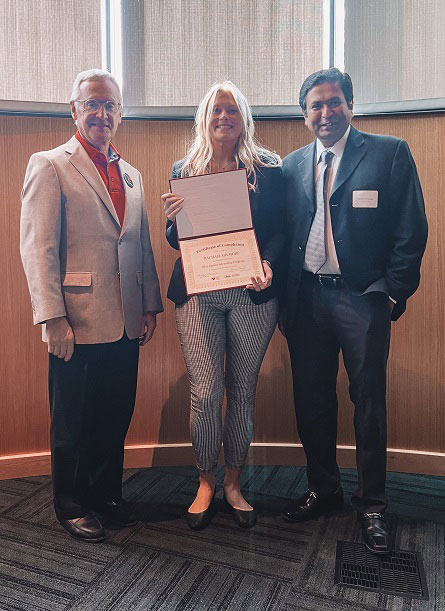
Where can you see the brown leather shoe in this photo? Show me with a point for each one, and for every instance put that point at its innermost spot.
(375, 533)
(88, 528)
(311, 505)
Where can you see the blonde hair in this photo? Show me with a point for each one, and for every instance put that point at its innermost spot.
(247, 149)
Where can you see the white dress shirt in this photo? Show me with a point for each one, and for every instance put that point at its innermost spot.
(330, 266)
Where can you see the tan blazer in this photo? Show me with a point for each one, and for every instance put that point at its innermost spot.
(78, 260)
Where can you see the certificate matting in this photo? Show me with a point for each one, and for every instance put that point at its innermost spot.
(218, 262)
(213, 203)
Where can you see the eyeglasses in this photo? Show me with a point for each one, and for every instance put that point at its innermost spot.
(92, 105)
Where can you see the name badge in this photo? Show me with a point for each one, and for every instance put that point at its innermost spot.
(365, 199)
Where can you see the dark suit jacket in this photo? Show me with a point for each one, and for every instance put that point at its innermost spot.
(268, 215)
(378, 249)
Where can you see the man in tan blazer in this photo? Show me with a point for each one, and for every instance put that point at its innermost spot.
(87, 256)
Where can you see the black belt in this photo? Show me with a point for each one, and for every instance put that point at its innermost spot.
(329, 281)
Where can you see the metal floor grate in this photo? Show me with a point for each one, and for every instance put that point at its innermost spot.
(399, 573)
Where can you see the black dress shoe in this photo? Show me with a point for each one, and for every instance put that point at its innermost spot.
(375, 533)
(245, 518)
(116, 513)
(198, 521)
(87, 528)
(311, 505)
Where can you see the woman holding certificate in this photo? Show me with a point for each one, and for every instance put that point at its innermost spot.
(224, 334)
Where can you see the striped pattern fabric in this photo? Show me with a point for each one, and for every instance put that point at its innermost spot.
(316, 243)
(212, 326)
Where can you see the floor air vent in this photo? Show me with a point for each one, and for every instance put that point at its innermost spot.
(400, 573)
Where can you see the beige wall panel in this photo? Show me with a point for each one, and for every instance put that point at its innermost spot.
(416, 398)
(23, 397)
(416, 387)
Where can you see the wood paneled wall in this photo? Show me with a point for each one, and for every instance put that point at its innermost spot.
(159, 431)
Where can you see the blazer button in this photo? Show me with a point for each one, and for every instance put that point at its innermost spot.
(300, 247)
(338, 241)
(119, 241)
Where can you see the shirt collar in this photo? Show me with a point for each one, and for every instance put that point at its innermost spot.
(95, 155)
(338, 148)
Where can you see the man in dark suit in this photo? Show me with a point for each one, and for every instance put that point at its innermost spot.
(357, 232)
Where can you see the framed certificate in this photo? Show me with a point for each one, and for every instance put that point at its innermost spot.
(216, 238)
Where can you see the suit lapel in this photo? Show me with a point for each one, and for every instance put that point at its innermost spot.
(128, 177)
(304, 171)
(83, 164)
(354, 152)
(306, 167)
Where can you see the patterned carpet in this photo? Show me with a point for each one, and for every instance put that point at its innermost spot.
(162, 565)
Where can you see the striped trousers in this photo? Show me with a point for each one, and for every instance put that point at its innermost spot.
(211, 326)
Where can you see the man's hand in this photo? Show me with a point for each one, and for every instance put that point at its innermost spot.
(148, 327)
(60, 338)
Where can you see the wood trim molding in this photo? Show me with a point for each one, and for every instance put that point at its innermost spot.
(171, 454)
(25, 465)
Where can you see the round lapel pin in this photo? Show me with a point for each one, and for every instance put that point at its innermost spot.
(128, 180)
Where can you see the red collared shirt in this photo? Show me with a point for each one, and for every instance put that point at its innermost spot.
(109, 171)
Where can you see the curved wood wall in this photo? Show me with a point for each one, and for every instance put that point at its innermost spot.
(159, 431)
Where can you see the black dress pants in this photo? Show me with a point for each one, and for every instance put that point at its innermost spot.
(91, 401)
(329, 320)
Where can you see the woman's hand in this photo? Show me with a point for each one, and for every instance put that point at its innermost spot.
(257, 283)
(172, 205)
